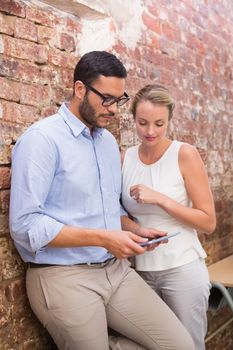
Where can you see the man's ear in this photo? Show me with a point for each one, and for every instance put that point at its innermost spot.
(79, 89)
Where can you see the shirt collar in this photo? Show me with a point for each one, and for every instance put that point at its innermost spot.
(76, 126)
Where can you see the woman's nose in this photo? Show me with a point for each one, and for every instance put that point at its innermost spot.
(150, 130)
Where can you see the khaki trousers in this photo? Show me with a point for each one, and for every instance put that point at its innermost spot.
(77, 304)
(185, 289)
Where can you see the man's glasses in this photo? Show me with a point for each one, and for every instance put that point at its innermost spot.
(109, 100)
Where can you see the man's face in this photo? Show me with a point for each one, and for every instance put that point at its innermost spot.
(91, 111)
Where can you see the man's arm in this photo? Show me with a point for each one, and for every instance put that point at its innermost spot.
(121, 244)
(33, 169)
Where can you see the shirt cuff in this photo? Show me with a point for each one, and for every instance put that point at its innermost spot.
(43, 232)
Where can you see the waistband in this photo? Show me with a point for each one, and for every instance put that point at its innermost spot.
(89, 264)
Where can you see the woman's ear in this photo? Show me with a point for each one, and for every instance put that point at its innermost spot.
(79, 89)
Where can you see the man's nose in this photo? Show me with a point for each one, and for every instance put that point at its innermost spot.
(113, 108)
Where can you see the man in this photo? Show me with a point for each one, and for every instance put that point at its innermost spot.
(65, 221)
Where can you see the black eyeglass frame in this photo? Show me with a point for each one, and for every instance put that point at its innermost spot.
(107, 101)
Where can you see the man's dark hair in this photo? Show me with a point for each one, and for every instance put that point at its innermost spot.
(96, 63)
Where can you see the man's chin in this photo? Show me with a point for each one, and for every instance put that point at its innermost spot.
(103, 122)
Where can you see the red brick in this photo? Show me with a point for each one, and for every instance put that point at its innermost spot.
(25, 29)
(169, 63)
(141, 70)
(215, 67)
(17, 130)
(13, 268)
(154, 10)
(166, 77)
(155, 42)
(195, 44)
(151, 23)
(5, 310)
(65, 42)
(134, 84)
(13, 7)
(8, 66)
(20, 70)
(42, 16)
(170, 32)
(136, 54)
(73, 25)
(47, 111)
(15, 291)
(62, 59)
(184, 8)
(17, 113)
(153, 73)
(150, 55)
(164, 45)
(45, 34)
(4, 224)
(4, 201)
(62, 95)
(6, 140)
(35, 95)
(50, 75)
(9, 90)
(67, 77)
(200, 20)
(24, 49)
(4, 177)
(209, 39)
(7, 24)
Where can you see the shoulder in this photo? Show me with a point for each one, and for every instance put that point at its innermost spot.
(38, 134)
(44, 126)
(129, 154)
(189, 159)
(109, 141)
(109, 137)
(131, 151)
(49, 124)
(188, 152)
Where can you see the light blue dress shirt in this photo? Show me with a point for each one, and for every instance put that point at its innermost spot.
(61, 175)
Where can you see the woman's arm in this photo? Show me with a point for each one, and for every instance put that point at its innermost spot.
(201, 215)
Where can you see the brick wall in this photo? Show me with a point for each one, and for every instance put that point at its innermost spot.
(186, 45)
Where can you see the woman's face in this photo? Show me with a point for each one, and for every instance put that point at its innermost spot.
(151, 122)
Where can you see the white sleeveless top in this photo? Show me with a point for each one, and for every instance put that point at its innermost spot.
(163, 176)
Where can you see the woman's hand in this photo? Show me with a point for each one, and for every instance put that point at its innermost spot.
(145, 195)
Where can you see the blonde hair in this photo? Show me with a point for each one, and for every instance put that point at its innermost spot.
(157, 95)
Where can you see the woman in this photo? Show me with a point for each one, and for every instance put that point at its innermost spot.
(165, 185)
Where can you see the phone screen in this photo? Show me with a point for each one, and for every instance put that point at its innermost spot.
(155, 240)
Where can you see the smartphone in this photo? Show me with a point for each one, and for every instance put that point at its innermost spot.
(155, 240)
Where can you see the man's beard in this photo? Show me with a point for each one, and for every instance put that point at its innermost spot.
(88, 114)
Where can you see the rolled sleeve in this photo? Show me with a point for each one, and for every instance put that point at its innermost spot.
(44, 231)
(33, 164)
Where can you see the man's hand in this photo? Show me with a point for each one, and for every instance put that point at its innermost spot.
(130, 225)
(151, 233)
(123, 244)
